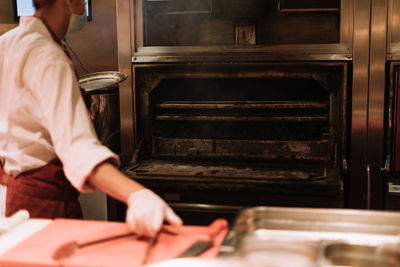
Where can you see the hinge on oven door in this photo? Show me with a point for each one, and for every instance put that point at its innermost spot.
(345, 172)
(135, 158)
(386, 168)
(345, 166)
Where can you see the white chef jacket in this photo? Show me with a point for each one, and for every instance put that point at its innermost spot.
(42, 112)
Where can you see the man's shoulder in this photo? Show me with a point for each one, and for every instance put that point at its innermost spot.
(47, 52)
(23, 38)
(46, 48)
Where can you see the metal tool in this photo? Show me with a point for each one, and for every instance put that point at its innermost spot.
(202, 245)
(67, 249)
(150, 244)
(196, 249)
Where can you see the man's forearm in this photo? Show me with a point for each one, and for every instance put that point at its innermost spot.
(108, 179)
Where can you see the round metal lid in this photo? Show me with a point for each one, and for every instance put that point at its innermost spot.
(101, 80)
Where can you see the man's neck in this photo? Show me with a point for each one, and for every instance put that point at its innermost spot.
(56, 18)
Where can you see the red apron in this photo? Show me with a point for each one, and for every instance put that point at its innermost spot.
(45, 192)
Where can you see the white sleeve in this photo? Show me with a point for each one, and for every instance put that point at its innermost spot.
(66, 117)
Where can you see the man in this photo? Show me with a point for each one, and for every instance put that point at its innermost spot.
(48, 146)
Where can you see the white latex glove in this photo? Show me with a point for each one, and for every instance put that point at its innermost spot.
(147, 211)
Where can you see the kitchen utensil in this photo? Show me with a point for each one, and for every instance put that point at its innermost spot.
(67, 249)
(150, 244)
(167, 228)
(206, 241)
(197, 248)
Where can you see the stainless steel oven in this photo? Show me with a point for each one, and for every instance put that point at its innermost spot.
(236, 103)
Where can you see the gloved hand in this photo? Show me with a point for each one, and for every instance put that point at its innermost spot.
(147, 211)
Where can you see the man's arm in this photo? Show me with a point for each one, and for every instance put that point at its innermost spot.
(108, 179)
(146, 210)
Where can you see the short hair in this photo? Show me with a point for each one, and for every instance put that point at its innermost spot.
(38, 3)
(35, 4)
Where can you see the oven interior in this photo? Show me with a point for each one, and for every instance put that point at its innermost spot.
(244, 134)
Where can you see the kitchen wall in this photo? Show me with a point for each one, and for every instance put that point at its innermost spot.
(6, 16)
(96, 47)
(96, 44)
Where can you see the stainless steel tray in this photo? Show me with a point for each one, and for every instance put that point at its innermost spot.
(314, 237)
(101, 80)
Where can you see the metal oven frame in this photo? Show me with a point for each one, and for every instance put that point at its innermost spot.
(364, 45)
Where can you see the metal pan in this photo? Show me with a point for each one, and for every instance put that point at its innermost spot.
(100, 81)
(326, 237)
(102, 99)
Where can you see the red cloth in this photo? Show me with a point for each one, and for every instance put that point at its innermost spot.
(45, 192)
(37, 249)
(4, 177)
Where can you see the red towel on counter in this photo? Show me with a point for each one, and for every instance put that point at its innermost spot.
(37, 249)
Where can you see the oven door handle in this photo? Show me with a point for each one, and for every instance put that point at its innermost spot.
(205, 207)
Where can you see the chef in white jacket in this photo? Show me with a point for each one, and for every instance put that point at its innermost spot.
(49, 150)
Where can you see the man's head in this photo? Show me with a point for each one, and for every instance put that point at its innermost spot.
(61, 16)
